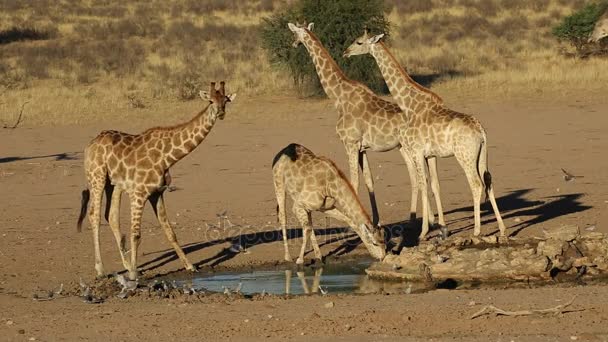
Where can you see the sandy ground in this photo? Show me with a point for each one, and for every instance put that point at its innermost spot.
(41, 177)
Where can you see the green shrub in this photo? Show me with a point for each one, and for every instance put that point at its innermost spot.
(337, 24)
(577, 27)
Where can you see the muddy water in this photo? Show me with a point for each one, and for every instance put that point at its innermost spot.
(331, 278)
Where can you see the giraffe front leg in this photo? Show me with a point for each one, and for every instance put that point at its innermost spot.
(419, 162)
(304, 217)
(369, 183)
(411, 169)
(137, 207)
(352, 150)
(114, 220)
(94, 218)
(435, 187)
(158, 204)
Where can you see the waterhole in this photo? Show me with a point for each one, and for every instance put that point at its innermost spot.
(330, 278)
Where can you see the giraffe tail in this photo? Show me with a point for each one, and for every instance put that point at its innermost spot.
(482, 167)
(86, 194)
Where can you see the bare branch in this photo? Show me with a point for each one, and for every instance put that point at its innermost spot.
(488, 309)
(18, 118)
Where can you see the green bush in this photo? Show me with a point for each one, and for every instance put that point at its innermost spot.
(577, 27)
(337, 24)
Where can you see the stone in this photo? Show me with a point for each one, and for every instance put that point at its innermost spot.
(329, 305)
(564, 233)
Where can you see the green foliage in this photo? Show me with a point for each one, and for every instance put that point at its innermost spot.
(577, 27)
(337, 24)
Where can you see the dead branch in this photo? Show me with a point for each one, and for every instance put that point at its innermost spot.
(560, 309)
(18, 118)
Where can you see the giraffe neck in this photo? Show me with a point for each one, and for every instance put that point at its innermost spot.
(408, 94)
(348, 202)
(184, 138)
(331, 76)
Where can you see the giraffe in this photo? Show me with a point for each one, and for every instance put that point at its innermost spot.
(316, 184)
(600, 29)
(366, 122)
(139, 165)
(434, 130)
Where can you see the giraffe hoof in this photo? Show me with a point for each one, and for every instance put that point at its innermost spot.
(191, 268)
(300, 261)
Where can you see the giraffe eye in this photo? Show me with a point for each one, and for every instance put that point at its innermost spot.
(359, 43)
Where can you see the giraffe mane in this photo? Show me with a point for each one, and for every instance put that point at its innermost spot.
(179, 125)
(409, 79)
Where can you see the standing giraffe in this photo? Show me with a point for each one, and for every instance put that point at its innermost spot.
(316, 184)
(433, 130)
(365, 122)
(139, 165)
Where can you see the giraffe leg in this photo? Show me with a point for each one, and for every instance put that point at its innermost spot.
(434, 180)
(158, 204)
(352, 150)
(468, 163)
(279, 188)
(429, 207)
(304, 218)
(419, 162)
(137, 207)
(302, 278)
(114, 220)
(413, 182)
(369, 183)
(94, 218)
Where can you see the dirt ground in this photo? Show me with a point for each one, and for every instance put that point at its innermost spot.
(41, 177)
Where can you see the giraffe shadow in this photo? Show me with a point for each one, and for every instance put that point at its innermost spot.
(248, 240)
(57, 157)
(512, 205)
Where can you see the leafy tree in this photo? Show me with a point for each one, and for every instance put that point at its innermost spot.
(337, 24)
(577, 27)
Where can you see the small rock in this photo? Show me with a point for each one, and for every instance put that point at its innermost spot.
(9, 322)
(348, 327)
(21, 331)
(590, 228)
(246, 321)
(517, 219)
(329, 305)
(574, 338)
(302, 333)
(32, 339)
(269, 316)
(472, 303)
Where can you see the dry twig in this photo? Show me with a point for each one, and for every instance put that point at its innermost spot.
(18, 118)
(560, 309)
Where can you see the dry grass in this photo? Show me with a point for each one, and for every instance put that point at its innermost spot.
(77, 60)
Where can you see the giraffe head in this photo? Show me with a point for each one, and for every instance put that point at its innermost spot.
(299, 32)
(373, 238)
(218, 99)
(362, 45)
(600, 31)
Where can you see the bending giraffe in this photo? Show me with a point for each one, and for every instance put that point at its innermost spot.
(139, 165)
(316, 184)
(433, 130)
(366, 122)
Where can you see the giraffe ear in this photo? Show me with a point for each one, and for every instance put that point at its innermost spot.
(292, 27)
(204, 95)
(231, 97)
(375, 39)
(310, 26)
